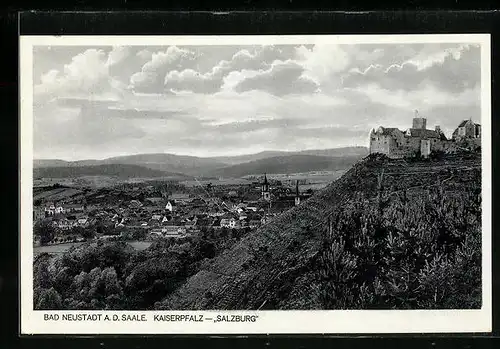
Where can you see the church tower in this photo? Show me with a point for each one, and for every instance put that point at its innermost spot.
(266, 195)
(297, 194)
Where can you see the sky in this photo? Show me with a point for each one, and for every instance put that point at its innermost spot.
(97, 102)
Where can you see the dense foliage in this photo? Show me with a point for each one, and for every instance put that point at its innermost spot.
(408, 249)
(112, 275)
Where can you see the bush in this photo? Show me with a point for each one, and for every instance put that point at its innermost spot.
(418, 252)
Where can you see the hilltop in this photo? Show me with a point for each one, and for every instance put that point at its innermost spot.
(388, 234)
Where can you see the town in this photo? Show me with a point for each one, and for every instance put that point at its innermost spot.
(147, 212)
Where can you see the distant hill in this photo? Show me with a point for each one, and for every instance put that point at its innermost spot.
(168, 162)
(350, 246)
(194, 166)
(51, 163)
(163, 162)
(115, 170)
(335, 152)
(286, 164)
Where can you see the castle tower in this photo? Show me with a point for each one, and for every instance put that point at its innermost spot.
(418, 122)
(297, 194)
(266, 195)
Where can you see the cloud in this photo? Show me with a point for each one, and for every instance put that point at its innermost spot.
(78, 131)
(280, 79)
(453, 70)
(244, 63)
(322, 62)
(86, 76)
(151, 78)
(211, 100)
(252, 125)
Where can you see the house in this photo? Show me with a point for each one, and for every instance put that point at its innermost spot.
(50, 209)
(154, 200)
(180, 198)
(229, 223)
(155, 234)
(38, 213)
(59, 209)
(70, 208)
(156, 217)
(82, 221)
(169, 207)
(173, 231)
(467, 129)
(134, 204)
(63, 224)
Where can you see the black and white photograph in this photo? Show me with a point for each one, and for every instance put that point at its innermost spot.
(242, 179)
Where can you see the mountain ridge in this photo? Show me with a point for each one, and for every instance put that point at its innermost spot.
(361, 150)
(193, 166)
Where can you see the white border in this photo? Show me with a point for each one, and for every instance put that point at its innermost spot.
(354, 321)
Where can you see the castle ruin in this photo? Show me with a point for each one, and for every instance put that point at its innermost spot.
(418, 140)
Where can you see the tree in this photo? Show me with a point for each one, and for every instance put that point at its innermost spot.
(47, 299)
(87, 233)
(45, 230)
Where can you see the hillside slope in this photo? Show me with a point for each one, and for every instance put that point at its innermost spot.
(297, 262)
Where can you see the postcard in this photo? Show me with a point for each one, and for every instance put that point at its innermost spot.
(255, 184)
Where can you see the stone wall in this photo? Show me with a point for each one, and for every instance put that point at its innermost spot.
(400, 147)
(382, 144)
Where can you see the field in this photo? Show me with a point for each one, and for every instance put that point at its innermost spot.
(96, 181)
(60, 248)
(55, 194)
(216, 182)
